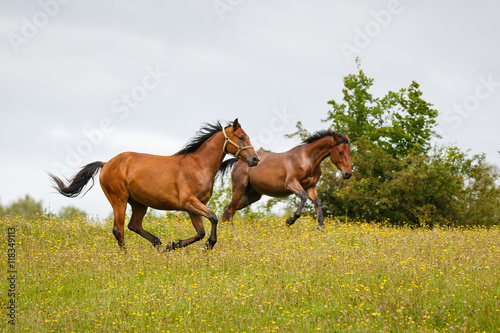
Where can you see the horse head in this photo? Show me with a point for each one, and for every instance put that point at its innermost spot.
(239, 144)
(340, 155)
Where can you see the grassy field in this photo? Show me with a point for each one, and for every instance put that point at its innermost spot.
(261, 276)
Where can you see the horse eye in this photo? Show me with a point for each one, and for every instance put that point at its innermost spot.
(341, 153)
(240, 138)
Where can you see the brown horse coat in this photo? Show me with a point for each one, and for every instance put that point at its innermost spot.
(183, 181)
(295, 171)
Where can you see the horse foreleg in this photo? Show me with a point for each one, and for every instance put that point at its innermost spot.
(296, 188)
(197, 221)
(212, 239)
(312, 193)
(196, 209)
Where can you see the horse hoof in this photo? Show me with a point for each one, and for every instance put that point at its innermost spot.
(170, 246)
(209, 246)
(289, 221)
(320, 227)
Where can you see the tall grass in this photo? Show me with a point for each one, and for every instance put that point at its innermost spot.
(261, 276)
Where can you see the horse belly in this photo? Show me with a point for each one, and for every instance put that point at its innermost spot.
(156, 195)
(272, 188)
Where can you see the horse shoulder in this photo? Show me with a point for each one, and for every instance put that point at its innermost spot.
(310, 174)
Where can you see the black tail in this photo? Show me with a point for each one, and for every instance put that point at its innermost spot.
(226, 166)
(77, 184)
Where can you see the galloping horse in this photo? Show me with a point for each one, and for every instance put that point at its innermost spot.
(183, 181)
(296, 171)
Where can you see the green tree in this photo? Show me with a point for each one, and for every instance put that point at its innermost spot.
(221, 196)
(70, 212)
(400, 123)
(445, 186)
(26, 206)
(398, 175)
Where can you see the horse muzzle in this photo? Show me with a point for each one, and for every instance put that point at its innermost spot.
(253, 161)
(346, 174)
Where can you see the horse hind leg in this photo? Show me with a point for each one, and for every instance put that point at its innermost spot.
(116, 192)
(135, 224)
(240, 186)
(118, 224)
(241, 201)
(229, 210)
(249, 198)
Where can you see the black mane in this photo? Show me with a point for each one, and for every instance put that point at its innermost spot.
(203, 134)
(324, 133)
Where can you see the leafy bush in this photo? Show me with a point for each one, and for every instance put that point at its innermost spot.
(398, 175)
(71, 212)
(442, 187)
(26, 206)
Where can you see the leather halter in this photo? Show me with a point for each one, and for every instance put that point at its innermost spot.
(240, 148)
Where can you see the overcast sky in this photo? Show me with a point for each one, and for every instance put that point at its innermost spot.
(83, 80)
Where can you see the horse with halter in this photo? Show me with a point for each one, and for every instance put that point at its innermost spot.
(295, 171)
(183, 181)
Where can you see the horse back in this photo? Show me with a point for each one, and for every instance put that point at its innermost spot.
(152, 180)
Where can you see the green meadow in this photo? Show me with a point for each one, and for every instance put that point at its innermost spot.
(261, 276)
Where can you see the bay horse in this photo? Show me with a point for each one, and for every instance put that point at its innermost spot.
(295, 171)
(183, 181)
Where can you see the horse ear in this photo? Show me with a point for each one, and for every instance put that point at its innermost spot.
(236, 124)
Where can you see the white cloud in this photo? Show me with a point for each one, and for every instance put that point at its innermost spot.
(264, 55)
(59, 134)
(143, 141)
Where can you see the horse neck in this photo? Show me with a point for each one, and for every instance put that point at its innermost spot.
(318, 150)
(212, 152)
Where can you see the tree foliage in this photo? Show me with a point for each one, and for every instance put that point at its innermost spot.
(398, 175)
(221, 196)
(70, 212)
(444, 186)
(26, 206)
(401, 123)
